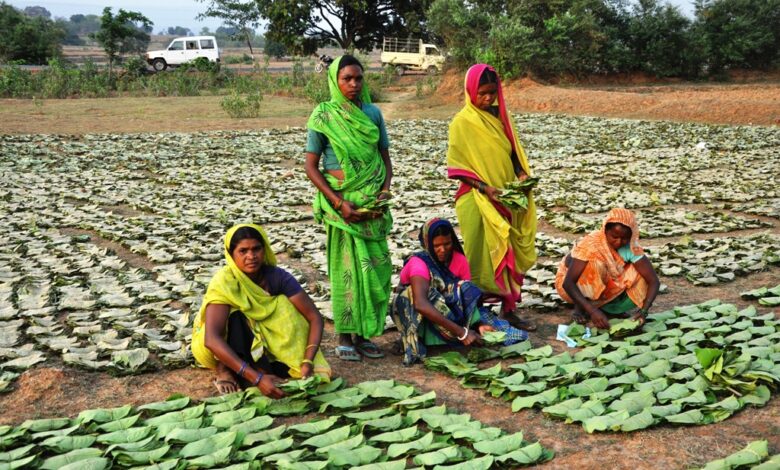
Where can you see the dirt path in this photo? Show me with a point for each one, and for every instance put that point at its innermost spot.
(749, 104)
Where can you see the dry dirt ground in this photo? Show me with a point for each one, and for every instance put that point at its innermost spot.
(57, 391)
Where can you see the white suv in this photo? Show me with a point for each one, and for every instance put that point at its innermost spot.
(182, 50)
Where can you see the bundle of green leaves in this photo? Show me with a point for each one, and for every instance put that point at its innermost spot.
(515, 194)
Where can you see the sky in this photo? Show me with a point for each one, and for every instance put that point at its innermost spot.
(165, 13)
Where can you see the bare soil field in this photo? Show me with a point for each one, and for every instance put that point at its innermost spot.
(59, 390)
(739, 104)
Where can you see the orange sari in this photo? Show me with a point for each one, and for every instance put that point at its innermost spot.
(607, 274)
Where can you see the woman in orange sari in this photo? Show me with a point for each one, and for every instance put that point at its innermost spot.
(607, 273)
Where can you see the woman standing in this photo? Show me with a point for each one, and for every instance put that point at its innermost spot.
(348, 134)
(485, 155)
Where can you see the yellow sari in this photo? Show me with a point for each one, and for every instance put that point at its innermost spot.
(499, 242)
(281, 331)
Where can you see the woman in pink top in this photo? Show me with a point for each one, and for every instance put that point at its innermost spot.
(437, 303)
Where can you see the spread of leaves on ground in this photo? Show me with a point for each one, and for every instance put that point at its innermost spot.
(66, 297)
(373, 425)
(696, 364)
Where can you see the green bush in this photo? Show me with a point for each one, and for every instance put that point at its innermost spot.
(426, 86)
(316, 89)
(237, 106)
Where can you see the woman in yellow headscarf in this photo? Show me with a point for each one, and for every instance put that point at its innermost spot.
(256, 324)
(485, 155)
(607, 273)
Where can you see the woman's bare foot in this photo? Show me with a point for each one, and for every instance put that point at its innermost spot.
(225, 380)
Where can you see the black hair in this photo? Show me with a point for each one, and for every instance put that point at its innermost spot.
(488, 76)
(347, 60)
(611, 225)
(443, 230)
(244, 233)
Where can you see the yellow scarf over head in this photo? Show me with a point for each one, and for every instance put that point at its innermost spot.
(280, 330)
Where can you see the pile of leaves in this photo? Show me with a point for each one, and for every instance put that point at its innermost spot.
(765, 295)
(515, 194)
(377, 425)
(755, 455)
(697, 364)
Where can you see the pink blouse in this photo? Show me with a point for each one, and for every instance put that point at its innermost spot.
(459, 266)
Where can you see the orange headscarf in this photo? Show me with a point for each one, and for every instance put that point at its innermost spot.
(594, 246)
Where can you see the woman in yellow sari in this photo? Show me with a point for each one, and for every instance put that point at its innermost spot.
(256, 324)
(485, 155)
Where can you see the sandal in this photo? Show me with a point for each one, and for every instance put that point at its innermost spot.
(347, 353)
(222, 386)
(370, 350)
(521, 323)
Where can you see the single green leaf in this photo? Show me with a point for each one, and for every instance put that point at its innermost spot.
(502, 445)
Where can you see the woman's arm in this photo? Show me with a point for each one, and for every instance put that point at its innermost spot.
(216, 321)
(388, 169)
(347, 209)
(306, 307)
(576, 267)
(645, 269)
(420, 287)
(482, 187)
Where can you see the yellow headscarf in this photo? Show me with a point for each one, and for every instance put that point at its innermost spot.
(280, 330)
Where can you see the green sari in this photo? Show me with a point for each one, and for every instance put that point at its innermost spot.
(359, 264)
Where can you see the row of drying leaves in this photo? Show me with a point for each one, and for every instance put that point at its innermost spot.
(755, 456)
(378, 425)
(697, 364)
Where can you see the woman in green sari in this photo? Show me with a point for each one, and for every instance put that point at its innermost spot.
(348, 134)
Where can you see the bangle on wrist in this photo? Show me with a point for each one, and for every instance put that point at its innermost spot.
(465, 334)
(482, 187)
(242, 369)
(257, 380)
(644, 312)
(310, 346)
(339, 204)
(307, 361)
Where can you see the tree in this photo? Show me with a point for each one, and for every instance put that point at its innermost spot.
(243, 16)
(85, 24)
(659, 38)
(177, 31)
(37, 11)
(303, 26)
(739, 33)
(127, 31)
(32, 40)
(71, 36)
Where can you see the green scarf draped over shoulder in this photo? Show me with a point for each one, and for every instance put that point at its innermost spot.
(279, 329)
(354, 138)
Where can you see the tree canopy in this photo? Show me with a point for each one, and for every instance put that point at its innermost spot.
(127, 31)
(33, 40)
(579, 37)
(303, 26)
